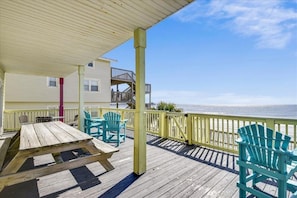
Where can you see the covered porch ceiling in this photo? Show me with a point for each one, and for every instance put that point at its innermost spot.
(52, 38)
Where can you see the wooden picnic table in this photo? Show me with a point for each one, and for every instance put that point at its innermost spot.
(52, 138)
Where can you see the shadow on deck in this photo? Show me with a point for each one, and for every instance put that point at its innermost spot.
(200, 154)
(174, 169)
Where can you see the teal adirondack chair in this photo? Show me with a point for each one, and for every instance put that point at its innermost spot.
(115, 130)
(96, 123)
(266, 154)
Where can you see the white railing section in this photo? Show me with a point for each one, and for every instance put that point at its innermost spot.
(11, 117)
(215, 131)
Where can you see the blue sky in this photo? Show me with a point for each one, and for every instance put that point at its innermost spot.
(221, 52)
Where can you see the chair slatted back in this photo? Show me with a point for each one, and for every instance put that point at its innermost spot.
(87, 120)
(87, 115)
(263, 147)
(23, 119)
(112, 120)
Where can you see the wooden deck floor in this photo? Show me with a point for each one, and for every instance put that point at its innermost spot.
(173, 170)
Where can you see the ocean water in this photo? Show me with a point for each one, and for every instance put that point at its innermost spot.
(273, 111)
(266, 111)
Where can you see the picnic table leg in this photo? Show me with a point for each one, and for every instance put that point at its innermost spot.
(1, 187)
(12, 149)
(10, 179)
(58, 158)
(104, 162)
(14, 165)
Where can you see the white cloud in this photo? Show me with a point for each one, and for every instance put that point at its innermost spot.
(194, 97)
(270, 22)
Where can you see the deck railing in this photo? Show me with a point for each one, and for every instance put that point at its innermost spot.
(211, 130)
(11, 117)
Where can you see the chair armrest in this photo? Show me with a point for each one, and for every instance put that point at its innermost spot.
(96, 120)
(293, 155)
(123, 123)
(239, 140)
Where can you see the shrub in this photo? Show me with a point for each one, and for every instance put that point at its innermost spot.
(171, 107)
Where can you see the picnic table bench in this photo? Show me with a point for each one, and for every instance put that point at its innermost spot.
(48, 138)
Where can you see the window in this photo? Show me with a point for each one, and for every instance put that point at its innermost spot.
(91, 85)
(52, 82)
(86, 85)
(94, 85)
(90, 65)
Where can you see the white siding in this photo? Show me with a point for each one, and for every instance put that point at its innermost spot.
(32, 92)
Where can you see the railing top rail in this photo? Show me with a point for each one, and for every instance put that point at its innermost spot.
(119, 74)
(242, 116)
(277, 119)
(119, 69)
(33, 110)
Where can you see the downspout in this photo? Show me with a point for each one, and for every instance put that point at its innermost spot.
(2, 99)
(81, 75)
(61, 107)
(117, 98)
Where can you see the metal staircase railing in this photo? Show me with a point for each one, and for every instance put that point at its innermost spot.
(121, 76)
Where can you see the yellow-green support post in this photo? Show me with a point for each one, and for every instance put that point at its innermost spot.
(100, 113)
(189, 128)
(81, 74)
(122, 114)
(163, 125)
(270, 124)
(207, 131)
(140, 132)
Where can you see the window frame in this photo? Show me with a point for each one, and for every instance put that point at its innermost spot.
(88, 83)
(50, 81)
(90, 65)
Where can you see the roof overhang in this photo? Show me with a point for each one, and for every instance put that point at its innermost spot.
(53, 37)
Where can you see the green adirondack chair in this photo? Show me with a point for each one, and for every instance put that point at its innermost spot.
(115, 130)
(266, 154)
(90, 123)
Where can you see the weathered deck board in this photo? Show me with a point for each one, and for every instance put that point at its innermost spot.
(173, 170)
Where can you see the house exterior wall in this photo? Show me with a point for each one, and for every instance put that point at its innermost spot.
(33, 92)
